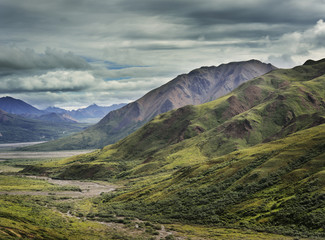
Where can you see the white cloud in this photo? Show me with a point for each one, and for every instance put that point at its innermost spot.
(51, 81)
(295, 47)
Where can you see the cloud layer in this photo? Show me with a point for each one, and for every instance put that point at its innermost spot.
(76, 52)
(13, 58)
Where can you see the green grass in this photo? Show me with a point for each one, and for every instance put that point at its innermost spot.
(16, 183)
(277, 187)
(24, 217)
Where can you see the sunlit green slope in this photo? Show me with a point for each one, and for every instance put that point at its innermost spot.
(277, 187)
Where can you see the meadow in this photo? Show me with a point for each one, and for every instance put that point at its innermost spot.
(34, 207)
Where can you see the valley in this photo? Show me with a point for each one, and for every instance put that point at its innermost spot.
(38, 207)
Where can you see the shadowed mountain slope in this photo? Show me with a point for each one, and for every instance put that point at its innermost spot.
(14, 128)
(199, 86)
(17, 106)
(57, 118)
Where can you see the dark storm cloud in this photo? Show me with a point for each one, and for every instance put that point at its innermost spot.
(207, 13)
(12, 58)
(195, 16)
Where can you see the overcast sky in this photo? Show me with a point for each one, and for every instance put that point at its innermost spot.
(72, 53)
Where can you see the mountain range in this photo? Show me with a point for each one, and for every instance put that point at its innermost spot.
(253, 158)
(15, 128)
(90, 114)
(199, 86)
(22, 122)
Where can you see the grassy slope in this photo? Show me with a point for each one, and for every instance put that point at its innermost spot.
(277, 187)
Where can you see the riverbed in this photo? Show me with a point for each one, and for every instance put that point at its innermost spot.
(39, 155)
(87, 189)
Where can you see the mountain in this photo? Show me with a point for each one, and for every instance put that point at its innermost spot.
(253, 158)
(199, 86)
(17, 106)
(90, 114)
(15, 128)
(93, 112)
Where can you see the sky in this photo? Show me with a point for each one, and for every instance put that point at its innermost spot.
(72, 53)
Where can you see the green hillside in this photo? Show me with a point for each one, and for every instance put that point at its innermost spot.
(276, 187)
(251, 159)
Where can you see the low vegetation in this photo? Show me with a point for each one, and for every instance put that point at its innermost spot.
(277, 187)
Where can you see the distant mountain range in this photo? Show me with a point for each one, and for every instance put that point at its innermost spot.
(199, 86)
(90, 114)
(15, 128)
(93, 113)
(22, 122)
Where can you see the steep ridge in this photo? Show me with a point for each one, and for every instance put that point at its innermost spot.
(199, 86)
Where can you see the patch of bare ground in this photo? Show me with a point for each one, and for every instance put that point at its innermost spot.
(38, 155)
(137, 229)
(88, 189)
(235, 107)
(253, 94)
(134, 227)
(238, 129)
